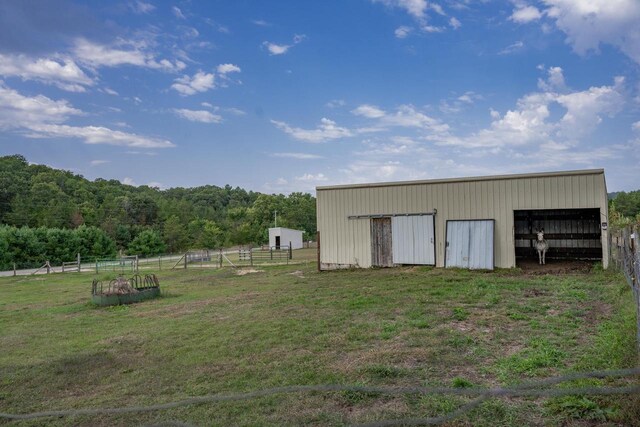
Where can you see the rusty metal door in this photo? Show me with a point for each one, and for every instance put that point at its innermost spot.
(381, 249)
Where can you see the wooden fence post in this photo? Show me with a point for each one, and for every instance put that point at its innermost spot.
(14, 269)
(290, 251)
(136, 261)
(48, 267)
(185, 260)
(79, 264)
(160, 262)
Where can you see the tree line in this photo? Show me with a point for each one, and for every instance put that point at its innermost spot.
(40, 206)
(624, 208)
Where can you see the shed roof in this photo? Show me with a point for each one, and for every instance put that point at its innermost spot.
(465, 179)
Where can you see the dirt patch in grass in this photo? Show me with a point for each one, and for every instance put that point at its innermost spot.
(596, 311)
(297, 273)
(531, 267)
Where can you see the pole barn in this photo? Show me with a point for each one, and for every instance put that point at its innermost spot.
(480, 222)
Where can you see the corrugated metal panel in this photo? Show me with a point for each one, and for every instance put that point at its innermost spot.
(413, 240)
(457, 244)
(346, 242)
(470, 244)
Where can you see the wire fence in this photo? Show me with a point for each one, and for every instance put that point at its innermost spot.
(200, 258)
(534, 389)
(623, 247)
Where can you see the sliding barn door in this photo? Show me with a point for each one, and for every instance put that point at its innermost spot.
(381, 249)
(413, 240)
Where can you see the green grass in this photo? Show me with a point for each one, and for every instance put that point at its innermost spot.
(213, 331)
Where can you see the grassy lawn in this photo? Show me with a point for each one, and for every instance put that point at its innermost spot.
(215, 331)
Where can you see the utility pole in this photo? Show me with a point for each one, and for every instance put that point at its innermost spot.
(275, 218)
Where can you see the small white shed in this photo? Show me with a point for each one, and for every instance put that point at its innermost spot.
(281, 237)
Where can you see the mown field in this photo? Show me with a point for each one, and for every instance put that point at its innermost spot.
(215, 331)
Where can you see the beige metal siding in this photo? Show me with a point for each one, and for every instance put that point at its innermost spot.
(347, 242)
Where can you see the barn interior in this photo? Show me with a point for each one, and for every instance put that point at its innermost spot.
(572, 234)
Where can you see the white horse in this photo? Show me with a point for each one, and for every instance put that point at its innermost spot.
(541, 246)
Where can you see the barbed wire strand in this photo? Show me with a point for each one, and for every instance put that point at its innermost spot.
(527, 389)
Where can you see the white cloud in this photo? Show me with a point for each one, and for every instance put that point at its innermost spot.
(308, 177)
(123, 52)
(201, 116)
(402, 32)
(588, 24)
(336, 103)
(200, 82)
(17, 110)
(415, 8)
(431, 29)
(281, 49)
(298, 156)
(327, 130)
(469, 97)
(235, 111)
(206, 104)
(99, 162)
(228, 68)
(97, 135)
(555, 80)
(584, 110)
(177, 13)
(261, 23)
(42, 117)
(129, 181)
(139, 6)
(525, 14)
(110, 91)
(418, 10)
(63, 73)
(531, 122)
(371, 171)
(368, 111)
(636, 126)
(276, 49)
(404, 116)
(459, 103)
(455, 23)
(512, 48)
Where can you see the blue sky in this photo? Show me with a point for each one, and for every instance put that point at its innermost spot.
(281, 96)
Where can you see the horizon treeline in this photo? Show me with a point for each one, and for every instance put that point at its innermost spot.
(38, 202)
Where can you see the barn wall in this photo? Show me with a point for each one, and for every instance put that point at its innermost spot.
(347, 242)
